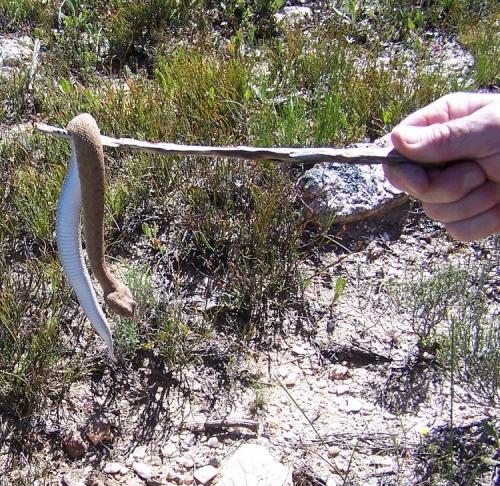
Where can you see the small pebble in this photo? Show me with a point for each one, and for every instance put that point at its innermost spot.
(113, 468)
(213, 442)
(205, 474)
(333, 451)
(145, 471)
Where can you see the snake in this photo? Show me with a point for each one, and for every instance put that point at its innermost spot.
(84, 188)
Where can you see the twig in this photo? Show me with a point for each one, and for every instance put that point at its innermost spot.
(371, 154)
(34, 64)
(252, 425)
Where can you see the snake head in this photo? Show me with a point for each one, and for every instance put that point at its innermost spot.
(121, 301)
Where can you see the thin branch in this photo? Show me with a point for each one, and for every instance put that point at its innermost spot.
(227, 423)
(34, 63)
(371, 154)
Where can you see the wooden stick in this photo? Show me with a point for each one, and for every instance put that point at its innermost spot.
(371, 154)
(228, 423)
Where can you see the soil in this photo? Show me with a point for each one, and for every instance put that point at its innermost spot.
(342, 396)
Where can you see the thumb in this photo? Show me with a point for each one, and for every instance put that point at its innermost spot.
(439, 142)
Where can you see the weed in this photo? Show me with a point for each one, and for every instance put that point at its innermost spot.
(15, 13)
(15, 99)
(171, 337)
(244, 235)
(428, 300)
(151, 233)
(35, 200)
(260, 397)
(466, 461)
(483, 41)
(473, 348)
(32, 301)
(449, 313)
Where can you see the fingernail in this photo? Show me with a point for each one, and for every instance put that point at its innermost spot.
(473, 179)
(409, 135)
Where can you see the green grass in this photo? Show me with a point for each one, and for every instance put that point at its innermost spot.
(32, 302)
(452, 317)
(455, 321)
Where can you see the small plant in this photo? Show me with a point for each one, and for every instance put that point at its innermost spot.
(35, 200)
(30, 349)
(260, 398)
(448, 312)
(429, 299)
(472, 352)
(151, 233)
(459, 455)
(171, 337)
(127, 332)
(483, 41)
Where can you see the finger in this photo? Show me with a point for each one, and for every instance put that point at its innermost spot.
(452, 183)
(477, 227)
(476, 202)
(408, 178)
(439, 186)
(449, 107)
(439, 142)
(491, 166)
(470, 137)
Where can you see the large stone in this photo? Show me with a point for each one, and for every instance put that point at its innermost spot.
(344, 193)
(290, 16)
(15, 52)
(253, 465)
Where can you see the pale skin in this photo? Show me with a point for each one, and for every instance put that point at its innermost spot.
(464, 195)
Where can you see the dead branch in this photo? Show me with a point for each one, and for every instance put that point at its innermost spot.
(370, 154)
(228, 423)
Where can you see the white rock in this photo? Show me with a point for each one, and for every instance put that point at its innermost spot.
(145, 471)
(341, 389)
(170, 450)
(293, 15)
(347, 192)
(140, 452)
(299, 350)
(340, 372)
(186, 462)
(353, 405)
(113, 468)
(252, 465)
(291, 379)
(333, 451)
(213, 442)
(205, 474)
(385, 461)
(15, 51)
(331, 481)
(187, 479)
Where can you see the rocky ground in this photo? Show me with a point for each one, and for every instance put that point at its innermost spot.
(342, 398)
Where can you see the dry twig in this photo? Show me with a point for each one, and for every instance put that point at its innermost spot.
(371, 154)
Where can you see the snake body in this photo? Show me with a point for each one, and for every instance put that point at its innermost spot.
(71, 254)
(84, 186)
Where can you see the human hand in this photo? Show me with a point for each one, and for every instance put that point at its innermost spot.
(465, 196)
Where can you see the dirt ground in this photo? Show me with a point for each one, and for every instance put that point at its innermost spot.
(341, 396)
